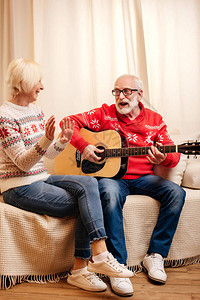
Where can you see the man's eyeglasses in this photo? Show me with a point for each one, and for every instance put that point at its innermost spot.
(126, 92)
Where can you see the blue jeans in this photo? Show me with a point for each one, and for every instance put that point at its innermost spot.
(113, 194)
(60, 196)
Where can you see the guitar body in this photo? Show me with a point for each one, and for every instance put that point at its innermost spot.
(69, 161)
(114, 159)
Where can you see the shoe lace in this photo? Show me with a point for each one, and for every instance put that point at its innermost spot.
(158, 262)
(91, 277)
(119, 280)
(114, 263)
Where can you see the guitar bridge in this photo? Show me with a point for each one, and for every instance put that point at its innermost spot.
(78, 158)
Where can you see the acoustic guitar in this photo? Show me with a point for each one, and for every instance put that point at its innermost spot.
(114, 159)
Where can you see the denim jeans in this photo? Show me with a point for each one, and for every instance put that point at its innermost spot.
(60, 196)
(113, 194)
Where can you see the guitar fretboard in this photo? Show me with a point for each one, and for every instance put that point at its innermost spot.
(125, 152)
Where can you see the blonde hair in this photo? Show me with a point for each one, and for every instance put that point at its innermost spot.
(23, 74)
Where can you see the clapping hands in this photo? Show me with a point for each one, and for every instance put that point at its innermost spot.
(50, 128)
(67, 128)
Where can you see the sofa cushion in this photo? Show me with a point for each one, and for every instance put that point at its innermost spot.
(174, 174)
(191, 178)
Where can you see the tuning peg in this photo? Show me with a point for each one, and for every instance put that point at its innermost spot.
(188, 156)
(195, 156)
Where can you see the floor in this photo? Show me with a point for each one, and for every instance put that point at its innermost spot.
(183, 283)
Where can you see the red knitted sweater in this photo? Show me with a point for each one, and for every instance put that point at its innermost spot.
(145, 130)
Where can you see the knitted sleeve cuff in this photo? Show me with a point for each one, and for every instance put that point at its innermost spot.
(42, 145)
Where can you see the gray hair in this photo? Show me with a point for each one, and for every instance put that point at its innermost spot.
(138, 82)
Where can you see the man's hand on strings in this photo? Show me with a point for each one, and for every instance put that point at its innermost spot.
(89, 153)
(155, 156)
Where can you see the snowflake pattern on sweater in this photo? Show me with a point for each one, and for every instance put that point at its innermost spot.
(23, 145)
(145, 130)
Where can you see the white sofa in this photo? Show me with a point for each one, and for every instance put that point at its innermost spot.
(40, 248)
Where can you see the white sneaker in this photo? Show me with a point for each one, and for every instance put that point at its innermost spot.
(154, 265)
(121, 286)
(87, 281)
(110, 267)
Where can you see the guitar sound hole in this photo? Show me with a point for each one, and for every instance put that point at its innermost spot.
(89, 167)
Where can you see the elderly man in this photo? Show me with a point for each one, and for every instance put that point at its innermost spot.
(141, 127)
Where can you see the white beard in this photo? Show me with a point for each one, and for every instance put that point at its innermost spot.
(131, 105)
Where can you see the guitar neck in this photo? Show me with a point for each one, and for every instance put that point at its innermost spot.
(135, 151)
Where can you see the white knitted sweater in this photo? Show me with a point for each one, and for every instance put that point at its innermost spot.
(23, 144)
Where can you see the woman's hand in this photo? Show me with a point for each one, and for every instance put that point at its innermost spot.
(50, 128)
(67, 128)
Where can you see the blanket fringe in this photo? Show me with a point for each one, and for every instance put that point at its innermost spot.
(173, 263)
(182, 262)
(135, 269)
(8, 281)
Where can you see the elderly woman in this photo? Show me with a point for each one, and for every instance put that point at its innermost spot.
(24, 139)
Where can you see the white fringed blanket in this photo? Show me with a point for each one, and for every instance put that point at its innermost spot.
(34, 247)
(140, 215)
(40, 248)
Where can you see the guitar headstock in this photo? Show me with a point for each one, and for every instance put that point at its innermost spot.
(189, 148)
